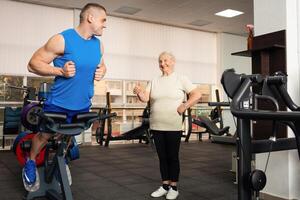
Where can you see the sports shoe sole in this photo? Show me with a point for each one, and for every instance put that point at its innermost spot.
(34, 187)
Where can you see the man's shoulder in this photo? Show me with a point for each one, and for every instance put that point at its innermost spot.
(67, 31)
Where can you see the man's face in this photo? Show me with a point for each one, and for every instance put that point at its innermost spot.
(99, 22)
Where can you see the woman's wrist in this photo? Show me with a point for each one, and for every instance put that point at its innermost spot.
(185, 105)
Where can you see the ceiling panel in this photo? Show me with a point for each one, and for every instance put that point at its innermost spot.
(174, 12)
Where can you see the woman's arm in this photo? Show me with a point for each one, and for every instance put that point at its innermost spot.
(194, 97)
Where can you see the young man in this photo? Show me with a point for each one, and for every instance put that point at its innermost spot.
(77, 58)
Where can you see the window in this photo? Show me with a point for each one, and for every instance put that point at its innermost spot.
(114, 87)
(9, 91)
(37, 81)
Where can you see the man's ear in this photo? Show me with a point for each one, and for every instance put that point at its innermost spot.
(90, 18)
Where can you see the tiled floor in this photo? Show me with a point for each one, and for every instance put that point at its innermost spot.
(130, 172)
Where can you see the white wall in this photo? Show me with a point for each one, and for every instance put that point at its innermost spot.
(227, 44)
(132, 50)
(277, 173)
(269, 16)
(284, 167)
(25, 28)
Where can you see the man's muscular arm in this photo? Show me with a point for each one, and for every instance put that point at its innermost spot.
(40, 62)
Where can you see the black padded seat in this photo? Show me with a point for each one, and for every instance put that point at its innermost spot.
(211, 127)
(59, 125)
(83, 117)
(56, 116)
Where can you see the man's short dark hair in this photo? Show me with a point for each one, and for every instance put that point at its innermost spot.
(89, 6)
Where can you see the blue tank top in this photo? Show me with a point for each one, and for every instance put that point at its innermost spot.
(75, 93)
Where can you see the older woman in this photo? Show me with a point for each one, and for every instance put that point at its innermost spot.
(166, 94)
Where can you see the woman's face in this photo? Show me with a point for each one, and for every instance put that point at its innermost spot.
(166, 64)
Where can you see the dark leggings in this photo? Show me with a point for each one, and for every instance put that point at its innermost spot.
(167, 145)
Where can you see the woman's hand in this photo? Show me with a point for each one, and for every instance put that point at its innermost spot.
(181, 108)
(137, 89)
(142, 94)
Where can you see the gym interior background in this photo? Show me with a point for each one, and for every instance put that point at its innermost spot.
(203, 47)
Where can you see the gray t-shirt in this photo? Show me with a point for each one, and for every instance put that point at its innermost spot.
(166, 94)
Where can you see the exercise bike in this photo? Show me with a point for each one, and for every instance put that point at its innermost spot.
(51, 161)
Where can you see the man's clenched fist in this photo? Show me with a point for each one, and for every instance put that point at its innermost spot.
(69, 69)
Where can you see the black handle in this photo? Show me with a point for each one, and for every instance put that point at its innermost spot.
(219, 104)
(258, 114)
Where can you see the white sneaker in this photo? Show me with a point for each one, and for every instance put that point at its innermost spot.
(172, 194)
(159, 192)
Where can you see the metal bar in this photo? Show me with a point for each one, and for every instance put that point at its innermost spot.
(244, 159)
(64, 181)
(262, 146)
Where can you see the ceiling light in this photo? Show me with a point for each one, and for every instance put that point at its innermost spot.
(229, 13)
(127, 10)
